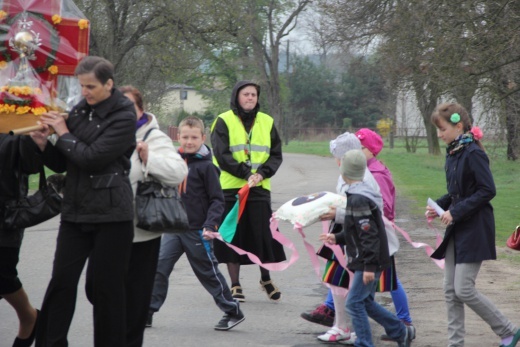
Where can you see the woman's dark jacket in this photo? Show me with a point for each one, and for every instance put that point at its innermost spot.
(202, 194)
(470, 190)
(16, 152)
(96, 155)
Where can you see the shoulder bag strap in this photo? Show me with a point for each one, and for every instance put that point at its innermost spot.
(144, 140)
(147, 133)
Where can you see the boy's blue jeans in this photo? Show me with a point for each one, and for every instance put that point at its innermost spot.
(398, 296)
(361, 305)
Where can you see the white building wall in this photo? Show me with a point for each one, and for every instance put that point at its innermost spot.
(409, 121)
(172, 103)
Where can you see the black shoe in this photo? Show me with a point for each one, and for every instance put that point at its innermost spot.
(18, 342)
(149, 320)
(320, 315)
(229, 320)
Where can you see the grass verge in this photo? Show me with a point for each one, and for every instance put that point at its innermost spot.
(420, 175)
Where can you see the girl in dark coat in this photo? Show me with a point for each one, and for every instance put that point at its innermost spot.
(470, 232)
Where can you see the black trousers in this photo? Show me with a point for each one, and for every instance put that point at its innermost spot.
(109, 245)
(139, 285)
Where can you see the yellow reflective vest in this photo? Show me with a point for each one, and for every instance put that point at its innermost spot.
(256, 150)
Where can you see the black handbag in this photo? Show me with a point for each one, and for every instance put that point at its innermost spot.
(159, 208)
(31, 210)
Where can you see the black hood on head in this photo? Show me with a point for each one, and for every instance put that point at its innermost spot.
(234, 96)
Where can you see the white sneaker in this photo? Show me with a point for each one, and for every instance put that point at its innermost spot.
(349, 341)
(337, 335)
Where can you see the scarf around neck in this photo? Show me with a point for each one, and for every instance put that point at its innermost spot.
(461, 142)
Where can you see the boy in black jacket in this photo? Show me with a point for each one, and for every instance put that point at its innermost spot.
(202, 195)
(367, 251)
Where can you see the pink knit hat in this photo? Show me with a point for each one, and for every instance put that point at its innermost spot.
(370, 140)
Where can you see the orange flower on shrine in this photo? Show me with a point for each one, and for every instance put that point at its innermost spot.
(53, 69)
(3, 15)
(83, 24)
(56, 19)
(3, 64)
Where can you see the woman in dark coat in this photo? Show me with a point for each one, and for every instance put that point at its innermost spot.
(94, 146)
(248, 150)
(470, 232)
(18, 159)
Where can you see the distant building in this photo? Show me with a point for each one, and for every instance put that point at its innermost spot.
(180, 97)
(409, 121)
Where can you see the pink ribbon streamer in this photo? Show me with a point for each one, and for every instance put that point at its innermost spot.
(428, 249)
(315, 259)
(278, 236)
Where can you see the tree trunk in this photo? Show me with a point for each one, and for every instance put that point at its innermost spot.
(513, 129)
(427, 95)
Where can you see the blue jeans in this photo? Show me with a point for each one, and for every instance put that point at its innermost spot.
(398, 296)
(361, 305)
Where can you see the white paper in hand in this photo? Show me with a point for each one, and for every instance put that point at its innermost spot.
(435, 206)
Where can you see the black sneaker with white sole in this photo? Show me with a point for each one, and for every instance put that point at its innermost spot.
(229, 320)
(149, 320)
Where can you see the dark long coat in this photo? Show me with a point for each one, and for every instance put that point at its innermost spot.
(470, 189)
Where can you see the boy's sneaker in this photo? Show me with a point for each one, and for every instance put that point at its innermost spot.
(229, 320)
(337, 335)
(385, 337)
(410, 335)
(149, 320)
(321, 315)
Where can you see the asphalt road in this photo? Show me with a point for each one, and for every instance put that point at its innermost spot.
(189, 314)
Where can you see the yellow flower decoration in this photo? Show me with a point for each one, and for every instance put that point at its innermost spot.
(23, 109)
(4, 89)
(6, 108)
(38, 110)
(53, 69)
(83, 24)
(15, 90)
(3, 15)
(3, 64)
(56, 19)
(25, 90)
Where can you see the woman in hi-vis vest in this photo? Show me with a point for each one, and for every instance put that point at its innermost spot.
(248, 149)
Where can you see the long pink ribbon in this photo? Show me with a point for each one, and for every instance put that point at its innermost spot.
(428, 249)
(278, 236)
(315, 259)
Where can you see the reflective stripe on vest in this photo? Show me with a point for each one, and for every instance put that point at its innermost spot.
(260, 147)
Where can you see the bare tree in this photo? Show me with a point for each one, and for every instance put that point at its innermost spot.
(445, 50)
(270, 22)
